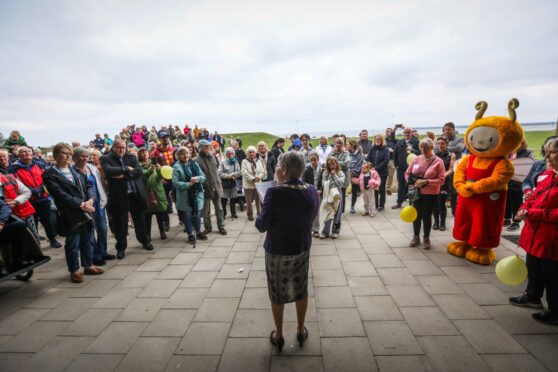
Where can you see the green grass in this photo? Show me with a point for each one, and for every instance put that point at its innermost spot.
(535, 139)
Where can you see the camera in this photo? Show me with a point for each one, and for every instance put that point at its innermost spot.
(153, 161)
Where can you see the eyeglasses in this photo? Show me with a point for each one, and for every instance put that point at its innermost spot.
(65, 153)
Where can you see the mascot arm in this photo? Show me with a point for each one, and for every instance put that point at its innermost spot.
(459, 178)
(503, 172)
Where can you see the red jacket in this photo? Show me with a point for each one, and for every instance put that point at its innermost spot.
(11, 191)
(539, 236)
(32, 177)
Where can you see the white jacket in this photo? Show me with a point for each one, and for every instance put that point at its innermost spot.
(323, 153)
(99, 182)
(249, 173)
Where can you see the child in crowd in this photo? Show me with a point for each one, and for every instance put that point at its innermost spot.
(369, 180)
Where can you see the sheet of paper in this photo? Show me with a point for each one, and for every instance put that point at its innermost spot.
(262, 188)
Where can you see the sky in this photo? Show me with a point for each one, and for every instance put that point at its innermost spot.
(70, 69)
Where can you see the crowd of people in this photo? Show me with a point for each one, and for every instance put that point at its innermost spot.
(83, 192)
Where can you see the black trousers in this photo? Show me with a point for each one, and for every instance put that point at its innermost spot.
(120, 223)
(541, 274)
(424, 206)
(161, 218)
(355, 187)
(336, 227)
(380, 194)
(440, 210)
(42, 213)
(402, 186)
(513, 201)
(224, 202)
(11, 233)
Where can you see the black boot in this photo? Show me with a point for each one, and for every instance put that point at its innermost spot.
(233, 208)
(224, 206)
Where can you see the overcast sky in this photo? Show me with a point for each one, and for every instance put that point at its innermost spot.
(73, 68)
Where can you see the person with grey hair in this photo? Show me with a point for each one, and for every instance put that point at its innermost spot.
(229, 172)
(253, 171)
(288, 212)
(425, 176)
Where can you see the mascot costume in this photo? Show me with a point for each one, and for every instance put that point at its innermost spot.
(481, 180)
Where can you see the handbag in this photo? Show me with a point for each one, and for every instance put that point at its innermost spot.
(414, 192)
(228, 183)
(72, 219)
(152, 201)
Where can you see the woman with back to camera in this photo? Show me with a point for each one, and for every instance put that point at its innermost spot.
(288, 212)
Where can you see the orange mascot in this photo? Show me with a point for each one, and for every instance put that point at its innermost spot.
(481, 180)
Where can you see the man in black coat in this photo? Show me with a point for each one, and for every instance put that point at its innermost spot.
(126, 193)
(403, 148)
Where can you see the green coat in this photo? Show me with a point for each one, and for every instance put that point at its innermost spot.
(180, 182)
(152, 182)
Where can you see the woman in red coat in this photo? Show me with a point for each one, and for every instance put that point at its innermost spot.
(539, 238)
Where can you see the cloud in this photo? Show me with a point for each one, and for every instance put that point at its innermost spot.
(74, 68)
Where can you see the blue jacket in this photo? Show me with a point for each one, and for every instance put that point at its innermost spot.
(379, 157)
(287, 216)
(530, 182)
(5, 212)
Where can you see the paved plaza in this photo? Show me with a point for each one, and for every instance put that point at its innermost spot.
(375, 304)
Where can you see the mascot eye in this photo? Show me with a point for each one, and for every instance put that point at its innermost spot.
(490, 139)
(471, 138)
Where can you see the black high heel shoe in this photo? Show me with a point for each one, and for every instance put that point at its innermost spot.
(277, 341)
(301, 337)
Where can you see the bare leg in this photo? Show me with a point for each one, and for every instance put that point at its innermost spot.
(277, 310)
(301, 307)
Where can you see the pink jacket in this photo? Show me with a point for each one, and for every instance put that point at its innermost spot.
(137, 138)
(434, 173)
(373, 183)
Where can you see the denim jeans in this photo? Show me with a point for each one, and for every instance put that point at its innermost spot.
(188, 220)
(100, 244)
(79, 243)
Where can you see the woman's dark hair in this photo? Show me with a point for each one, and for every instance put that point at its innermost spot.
(278, 140)
(305, 135)
(450, 124)
(442, 138)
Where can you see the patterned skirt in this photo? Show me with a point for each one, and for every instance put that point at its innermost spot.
(287, 277)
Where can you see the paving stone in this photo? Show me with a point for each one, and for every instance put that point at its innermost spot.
(186, 259)
(410, 295)
(513, 362)
(422, 267)
(227, 288)
(167, 253)
(70, 309)
(312, 345)
(409, 254)
(324, 250)
(57, 354)
(252, 323)
(329, 278)
(452, 353)
(117, 298)
(11, 362)
(137, 279)
(485, 294)
(255, 298)
(463, 274)
(208, 264)
(186, 298)
(20, 320)
(206, 338)
(175, 272)
(141, 310)
(246, 354)
(404, 363)
(359, 269)
(154, 264)
(443, 259)
(52, 298)
(223, 242)
(257, 279)
(202, 279)
(377, 308)
(91, 322)
(381, 261)
(334, 297)
(428, 321)
(340, 323)
(459, 306)
(149, 354)
(367, 286)
(338, 353)
(236, 271)
(439, 284)
(542, 347)
(134, 258)
(119, 271)
(94, 362)
(240, 257)
(117, 338)
(198, 363)
(170, 323)
(35, 288)
(296, 363)
(487, 337)
(33, 338)
(217, 310)
(396, 276)
(289, 314)
(350, 255)
(372, 249)
(217, 253)
(325, 262)
(391, 338)
(160, 288)
(516, 320)
(97, 288)
(259, 263)
(245, 237)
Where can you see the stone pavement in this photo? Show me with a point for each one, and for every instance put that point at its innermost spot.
(375, 304)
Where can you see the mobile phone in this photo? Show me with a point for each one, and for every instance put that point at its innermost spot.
(154, 161)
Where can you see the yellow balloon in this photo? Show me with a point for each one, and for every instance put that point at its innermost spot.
(511, 270)
(410, 158)
(408, 214)
(166, 172)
